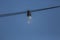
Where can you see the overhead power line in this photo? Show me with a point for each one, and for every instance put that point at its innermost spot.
(11, 14)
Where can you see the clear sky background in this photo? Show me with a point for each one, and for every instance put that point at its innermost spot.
(45, 25)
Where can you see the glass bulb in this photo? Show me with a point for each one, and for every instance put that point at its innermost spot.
(29, 19)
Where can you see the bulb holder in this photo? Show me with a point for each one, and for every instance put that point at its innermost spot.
(28, 13)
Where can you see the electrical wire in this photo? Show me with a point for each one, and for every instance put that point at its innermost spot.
(11, 14)
(45, 9)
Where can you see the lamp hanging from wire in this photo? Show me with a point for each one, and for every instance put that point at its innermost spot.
(29, 16)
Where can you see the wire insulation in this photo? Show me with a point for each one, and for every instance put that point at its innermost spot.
(11, 14)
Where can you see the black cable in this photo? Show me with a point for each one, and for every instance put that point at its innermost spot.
(45, 9)
(10, 14)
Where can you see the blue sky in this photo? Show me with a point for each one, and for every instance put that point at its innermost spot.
(45, 25)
